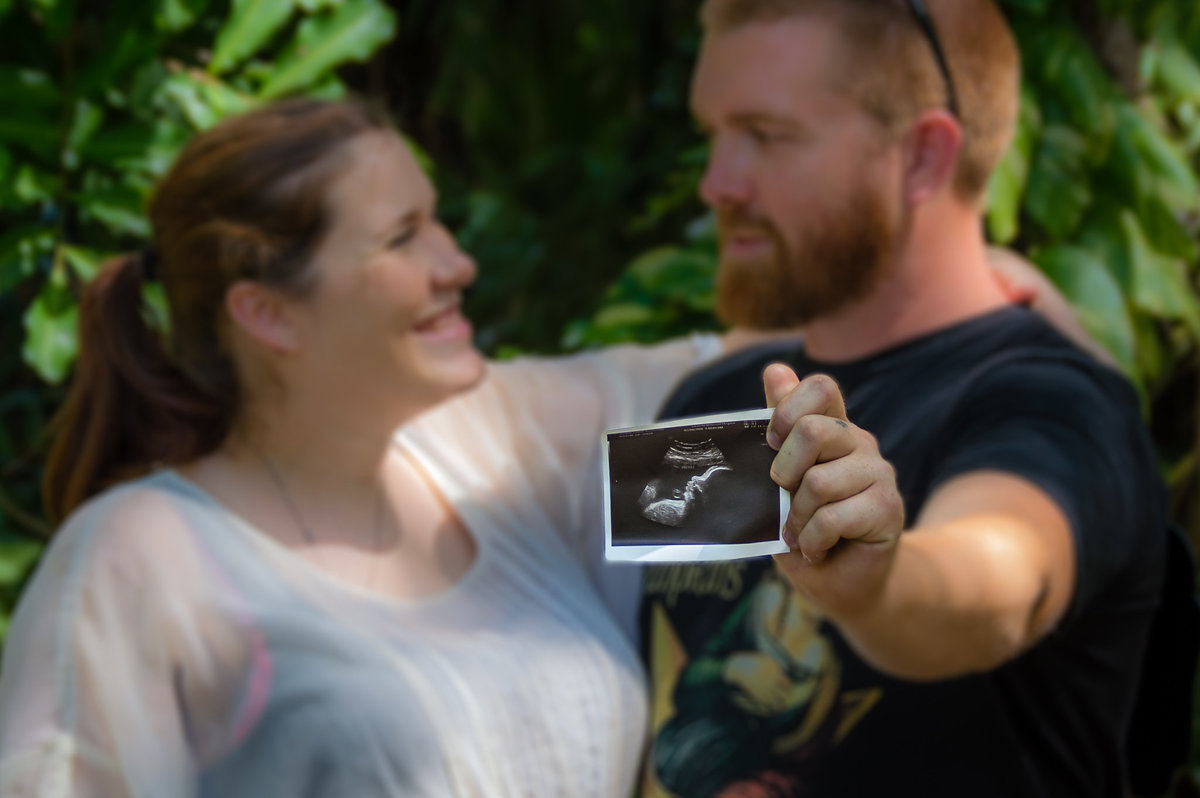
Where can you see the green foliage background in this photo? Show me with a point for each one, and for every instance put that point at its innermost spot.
(559, 138)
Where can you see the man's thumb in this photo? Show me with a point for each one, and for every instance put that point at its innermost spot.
(778, 382)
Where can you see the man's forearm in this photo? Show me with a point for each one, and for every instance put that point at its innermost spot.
(987, 571)
(960, 598)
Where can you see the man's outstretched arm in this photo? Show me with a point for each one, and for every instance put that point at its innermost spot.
(983, 574)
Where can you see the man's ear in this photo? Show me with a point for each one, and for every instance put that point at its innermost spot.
(261, 314)
(934, 144)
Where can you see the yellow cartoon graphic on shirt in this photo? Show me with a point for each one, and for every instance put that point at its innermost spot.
(763, 692)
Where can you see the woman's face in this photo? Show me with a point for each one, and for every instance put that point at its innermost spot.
(384, 326)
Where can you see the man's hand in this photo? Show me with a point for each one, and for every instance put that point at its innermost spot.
(846, 512)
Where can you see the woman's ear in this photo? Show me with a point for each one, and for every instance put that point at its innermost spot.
(934, 144)
(261, 314)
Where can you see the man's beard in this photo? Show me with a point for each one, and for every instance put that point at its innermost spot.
(833, 266)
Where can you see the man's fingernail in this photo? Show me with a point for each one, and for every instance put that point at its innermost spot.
(773, 439)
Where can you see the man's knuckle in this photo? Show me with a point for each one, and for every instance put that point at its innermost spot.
(809, 428)
(820, 482)
(824, 387)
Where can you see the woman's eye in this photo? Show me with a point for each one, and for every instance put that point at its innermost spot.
(402, 238)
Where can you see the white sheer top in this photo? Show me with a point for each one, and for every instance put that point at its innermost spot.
(165, 647)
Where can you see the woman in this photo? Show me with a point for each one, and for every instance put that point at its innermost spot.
(314, 544)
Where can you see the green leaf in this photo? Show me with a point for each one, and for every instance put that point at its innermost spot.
(329, 87)
(1187, 114)
(202, 100)
(1102, 235)
(113, 145)
(223, 99)
(167, 136)
(352, 32)
(626, 314)
(51, 342)
(131, 43)
(56, 16)
(673, 272)
(1160, 282)
(1059, 192)
(20, 250)
(86, 121)
(1084, 88)
(117, 208)
(250, 25)
(174, 16)
(1152, 351)
(38, 133)
(16, 558)
(1124, 174)
(32, 185)
(1168, 232)
(157, 311)
(1097, 299)
(84, 262)
(184, 91)
(1178, 70)
(1006, 189)
(145, 87)
(27, 89)
(1161, 157)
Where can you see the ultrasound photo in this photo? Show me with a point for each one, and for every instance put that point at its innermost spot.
(695, 489)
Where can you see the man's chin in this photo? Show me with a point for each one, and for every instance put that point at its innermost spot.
(757, 314)
(757, 300)
(756, 325)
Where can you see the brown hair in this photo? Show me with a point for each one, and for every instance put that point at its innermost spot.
(894, 75)
(245, 199)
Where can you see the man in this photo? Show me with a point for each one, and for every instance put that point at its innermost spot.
(992, 646)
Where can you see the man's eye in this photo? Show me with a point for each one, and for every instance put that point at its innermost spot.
(761, 136)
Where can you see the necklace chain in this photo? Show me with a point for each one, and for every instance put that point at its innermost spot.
(298, 519)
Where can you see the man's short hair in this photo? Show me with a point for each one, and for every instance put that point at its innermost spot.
(893, 72)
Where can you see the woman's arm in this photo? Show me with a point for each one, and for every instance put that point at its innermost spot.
(1026, 285)
(88, 704)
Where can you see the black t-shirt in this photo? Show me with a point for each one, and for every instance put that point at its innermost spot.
(753, 689)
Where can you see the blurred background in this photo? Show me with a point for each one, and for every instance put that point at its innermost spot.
(559, 138)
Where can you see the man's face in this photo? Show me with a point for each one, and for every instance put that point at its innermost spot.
(805, 185)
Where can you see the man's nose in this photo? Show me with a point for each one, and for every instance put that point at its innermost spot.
(726, 178)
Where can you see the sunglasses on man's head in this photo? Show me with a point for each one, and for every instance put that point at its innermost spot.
(925, 21)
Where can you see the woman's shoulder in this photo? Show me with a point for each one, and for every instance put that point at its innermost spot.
(124, 560)
(153, 498)
(141, 522)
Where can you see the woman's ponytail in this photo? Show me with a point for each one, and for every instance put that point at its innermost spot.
(128, 407)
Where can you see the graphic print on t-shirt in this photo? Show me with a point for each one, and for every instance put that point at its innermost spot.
(751, 703)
